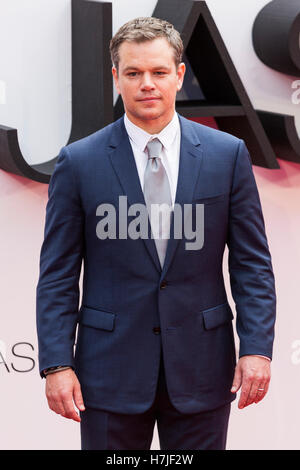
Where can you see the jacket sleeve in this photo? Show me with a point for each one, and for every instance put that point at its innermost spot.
(249, 261)
(61, 255)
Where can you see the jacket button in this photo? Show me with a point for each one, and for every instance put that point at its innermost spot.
(163, 285)
(156, 330)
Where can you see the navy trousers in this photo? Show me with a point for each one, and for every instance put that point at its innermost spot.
(105, 430)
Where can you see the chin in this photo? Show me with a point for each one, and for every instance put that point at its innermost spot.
(150, 117)
(150, 114)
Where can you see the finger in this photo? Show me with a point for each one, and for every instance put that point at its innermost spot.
(54, 401)
(78, 398)
(253, 391)
(70, 411)
(262, 393)
(246, 386)
(237, 380)
(56, 405)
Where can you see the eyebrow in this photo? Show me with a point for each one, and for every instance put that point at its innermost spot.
(159, 67)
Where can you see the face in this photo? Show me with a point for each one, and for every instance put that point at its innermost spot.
(148, 81)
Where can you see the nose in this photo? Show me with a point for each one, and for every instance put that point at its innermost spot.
(147, 82)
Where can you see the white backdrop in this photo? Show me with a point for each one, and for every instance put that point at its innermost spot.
(35, 97)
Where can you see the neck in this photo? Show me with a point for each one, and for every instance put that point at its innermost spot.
(151, 126)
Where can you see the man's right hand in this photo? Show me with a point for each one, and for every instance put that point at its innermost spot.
(62, 391)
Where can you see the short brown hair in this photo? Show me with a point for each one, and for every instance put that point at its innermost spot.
(146, 29)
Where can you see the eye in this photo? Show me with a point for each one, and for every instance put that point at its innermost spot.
(132, 74)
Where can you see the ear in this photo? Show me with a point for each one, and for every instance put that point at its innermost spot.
(180, 75)
(116, 79)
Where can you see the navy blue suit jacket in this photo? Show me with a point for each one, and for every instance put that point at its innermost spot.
(126, 295)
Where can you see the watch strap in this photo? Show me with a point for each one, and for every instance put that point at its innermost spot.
(52, 370)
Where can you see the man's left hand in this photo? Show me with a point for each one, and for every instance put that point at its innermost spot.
(253, 375)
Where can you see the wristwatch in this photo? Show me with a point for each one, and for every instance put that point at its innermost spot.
(51, 370)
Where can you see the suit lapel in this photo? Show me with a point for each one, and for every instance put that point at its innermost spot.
(191, 156)
(123, 162)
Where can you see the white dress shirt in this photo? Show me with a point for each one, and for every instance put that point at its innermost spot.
(170, 138)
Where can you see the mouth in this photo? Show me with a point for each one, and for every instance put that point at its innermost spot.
(149, 98)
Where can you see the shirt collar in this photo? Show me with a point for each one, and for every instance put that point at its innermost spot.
(141, 137)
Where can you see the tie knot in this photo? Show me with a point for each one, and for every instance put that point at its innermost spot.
(154, 148)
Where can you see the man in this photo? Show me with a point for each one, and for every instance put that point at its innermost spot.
(155, 338)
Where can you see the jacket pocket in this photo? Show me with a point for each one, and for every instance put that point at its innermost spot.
(209, 199)
(99, 319)
(217, 316)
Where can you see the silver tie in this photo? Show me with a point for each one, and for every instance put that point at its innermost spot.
(157, 191)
